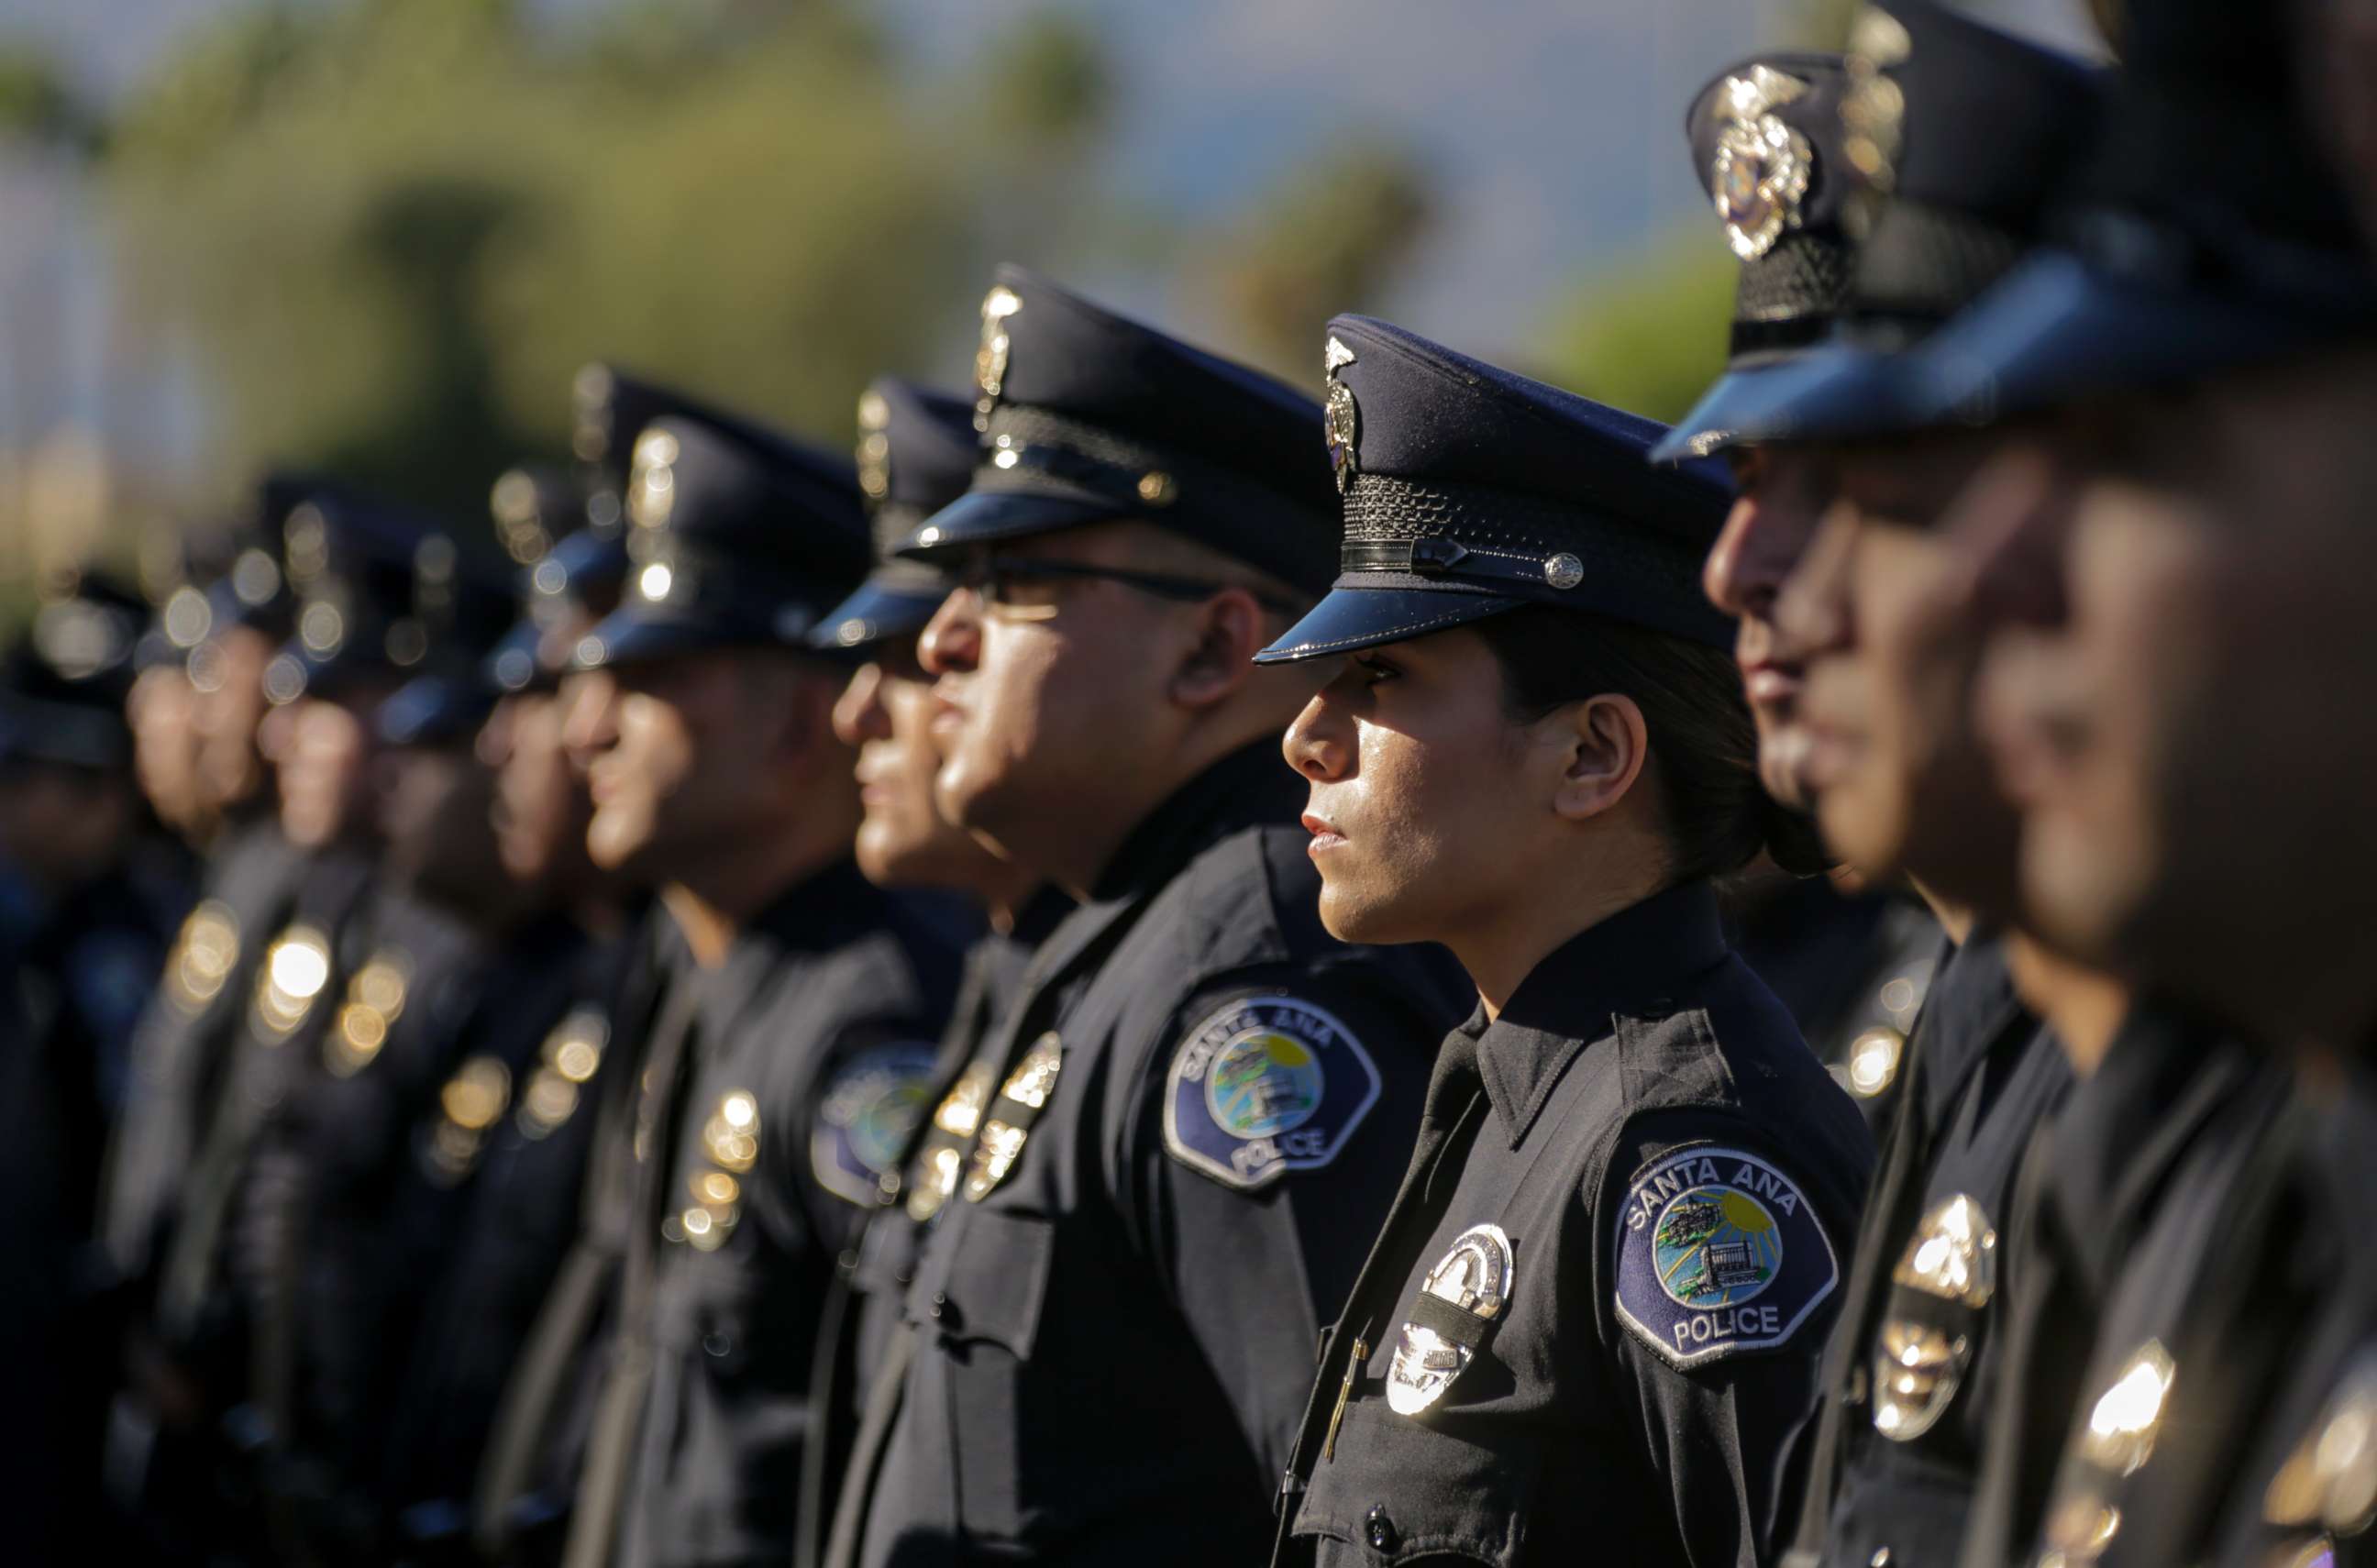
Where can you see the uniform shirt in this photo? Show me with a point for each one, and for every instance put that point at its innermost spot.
(1202, 1107)
(504, 1195)
(184, 1033)
(1598, 1307)
(1914, 1366)
(2092, 1185)
(733, 1238)
(862, 1313)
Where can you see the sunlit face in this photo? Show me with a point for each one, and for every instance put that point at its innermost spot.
(2191, 744)
(1429, 806)
(541, 808)
(886, 713)
(227, 676)
(1043, 693)
(680, 752)
(1892, 633)
(162, 712)
(1781, 495)
(324, 769)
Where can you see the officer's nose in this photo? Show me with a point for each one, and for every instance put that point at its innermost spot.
(589, 725)
(1781, 502)
(952, 639)
(859, 712)
(1811, 609)
(1318, 743)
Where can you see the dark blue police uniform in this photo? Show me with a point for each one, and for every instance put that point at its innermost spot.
(1594, 1313)
(1199, 1098)
(743, 539)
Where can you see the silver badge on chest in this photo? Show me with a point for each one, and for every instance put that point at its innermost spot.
(1474, 1277)
(1921, 1361)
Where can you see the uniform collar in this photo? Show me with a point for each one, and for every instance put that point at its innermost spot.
(1971, 1005)
(1248, 787)
(1639, 960)
(818, 911)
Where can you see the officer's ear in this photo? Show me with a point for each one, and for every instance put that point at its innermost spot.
(1607, 747)
(1227, 631)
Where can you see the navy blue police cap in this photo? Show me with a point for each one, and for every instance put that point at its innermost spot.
(1087, 417)
(1766, 141)
(1961, 137)
(64, 682)
(916, 450)
(2206, 231)
(610, 407)
(232, 577)
(570, 570)
(381, 592)
(736, 537)
(1469, 491)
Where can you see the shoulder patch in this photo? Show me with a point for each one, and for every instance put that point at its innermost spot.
(1265, 1085)
(1718, 1253)
(871, 1103)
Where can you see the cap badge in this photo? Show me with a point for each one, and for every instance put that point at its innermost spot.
(1465, 1293)
(990, 359)
(874, 446)
(651, 479)
(1563, 572)
(1872, 107)
(1761, 168)
(1342, 423)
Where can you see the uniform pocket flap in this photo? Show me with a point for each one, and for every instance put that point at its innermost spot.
(997, 1278)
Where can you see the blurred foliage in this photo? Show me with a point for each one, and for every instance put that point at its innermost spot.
(36, 104)
(392, 229)
(1650, 336)
(1327, 238)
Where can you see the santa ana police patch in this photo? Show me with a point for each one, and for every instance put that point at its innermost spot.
(1718, 1253)
(872, 1103)
(1266, 1084)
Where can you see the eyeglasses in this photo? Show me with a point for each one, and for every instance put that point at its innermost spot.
(996, 579)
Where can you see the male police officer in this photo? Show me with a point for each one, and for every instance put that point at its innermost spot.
(1144, 517)
(1898, 783)
(916, 455)
(2201, 340)
(715, 773)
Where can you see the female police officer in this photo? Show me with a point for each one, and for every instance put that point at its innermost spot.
(1596, 1305)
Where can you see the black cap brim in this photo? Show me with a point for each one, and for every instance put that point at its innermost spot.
(2057, 329)
(983, 517)
(634, 635)
(1349, 619)
(879, 612)
(1838, 392)
(433, 710)
(1715, 422)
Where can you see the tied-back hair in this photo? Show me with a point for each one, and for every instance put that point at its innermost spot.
(1703, 749)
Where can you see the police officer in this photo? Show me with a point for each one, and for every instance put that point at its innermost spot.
(2194, 354)
(1200, 1099)
(1911, 1380)
(499, 1159)
(231, 629)
(715, 773)
(533, 1454)
(374, 584)
(85, 928)
(916, 455)
(1594, 1313)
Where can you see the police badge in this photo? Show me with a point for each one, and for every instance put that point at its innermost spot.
(1459, 1300)
(1341, 420)
(1763, 167)
(1266, 1085)
(1718, 1253)
(1947, 1276)
(990, 357)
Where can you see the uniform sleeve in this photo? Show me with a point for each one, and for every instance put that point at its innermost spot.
(1718, 1275)
(1265, 1138)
